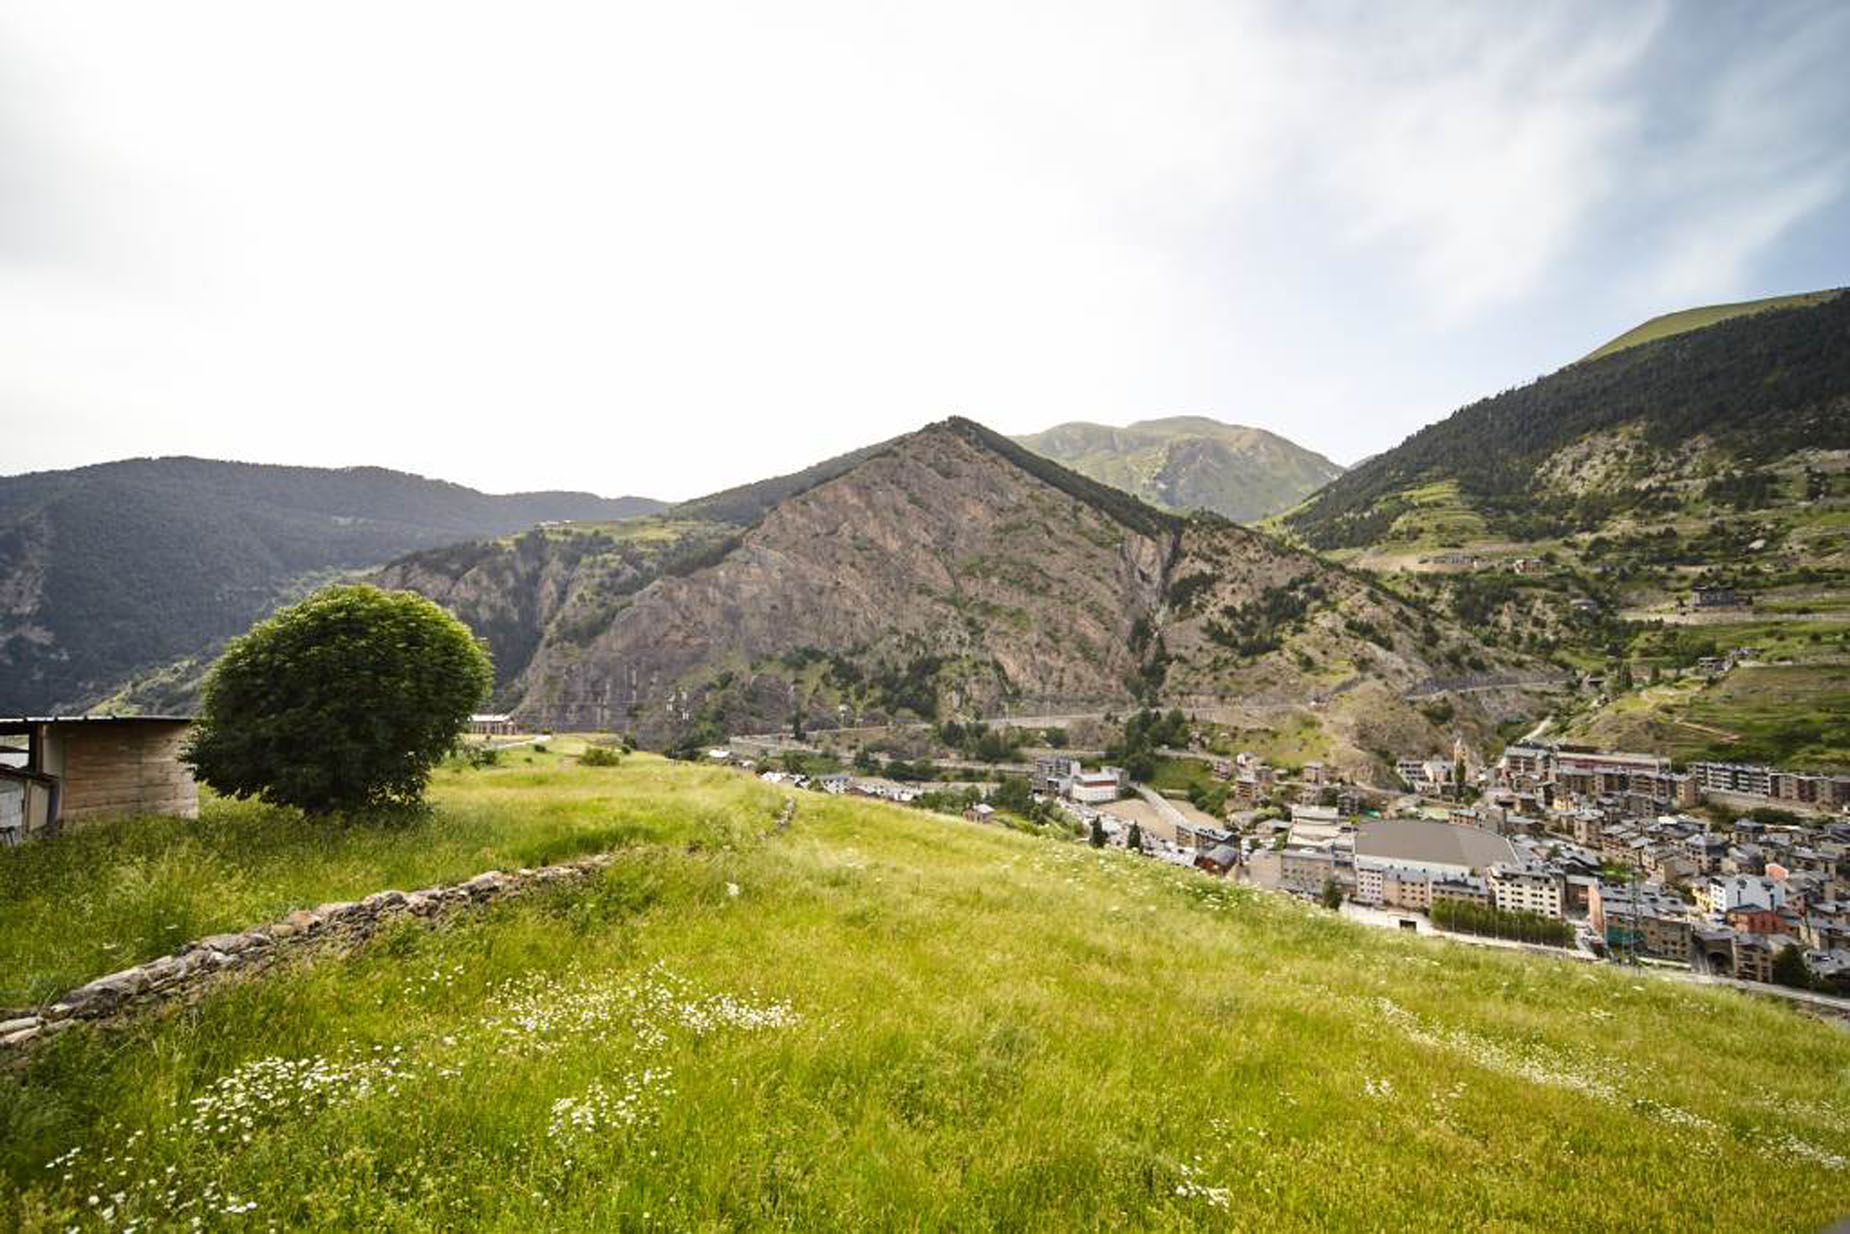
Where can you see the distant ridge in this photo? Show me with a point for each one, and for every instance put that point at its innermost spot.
(1696, 318)
(115, 568)
(948, 572)
(1191, 463)
(1631, 433)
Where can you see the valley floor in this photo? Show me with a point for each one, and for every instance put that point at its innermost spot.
(883, 1018)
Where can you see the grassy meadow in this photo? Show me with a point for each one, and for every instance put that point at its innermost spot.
(882, 1018)
(118, 893)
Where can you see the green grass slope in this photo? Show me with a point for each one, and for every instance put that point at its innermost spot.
(1708, 315)
(885, 1019)
(1191, 463)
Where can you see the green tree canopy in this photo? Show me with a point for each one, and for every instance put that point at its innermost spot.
(1789, 968)
(341, 702)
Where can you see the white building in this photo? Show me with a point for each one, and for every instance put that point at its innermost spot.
(1096, 787)
(1525, 889)
(1067, 777)
(1719, 895)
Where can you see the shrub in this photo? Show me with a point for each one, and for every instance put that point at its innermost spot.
(599, 756)
(342, 702)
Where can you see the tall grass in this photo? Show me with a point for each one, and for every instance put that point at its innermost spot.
(879, 1018)
(109, 895)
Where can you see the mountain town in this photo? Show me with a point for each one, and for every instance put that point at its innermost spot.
(849, 617)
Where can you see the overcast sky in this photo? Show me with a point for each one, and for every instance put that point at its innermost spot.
(662, 248)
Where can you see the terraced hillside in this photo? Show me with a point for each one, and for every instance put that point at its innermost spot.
(1594, 516)
(882, 1018)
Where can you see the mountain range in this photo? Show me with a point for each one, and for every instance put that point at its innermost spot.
(1191, 463)
(950, 572)
(956, 572)
(110, 570)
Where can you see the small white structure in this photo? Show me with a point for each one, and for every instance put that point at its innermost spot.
(1068, 778)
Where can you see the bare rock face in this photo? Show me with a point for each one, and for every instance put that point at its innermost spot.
(937, 559)
(949, 572)
(566, 582)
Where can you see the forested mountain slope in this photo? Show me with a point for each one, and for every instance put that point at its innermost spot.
(1671, 518)
(1638, 431)
(1191, 463)
(112, 569)
(1696, 318)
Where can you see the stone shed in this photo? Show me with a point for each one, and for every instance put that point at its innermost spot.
(66, 770)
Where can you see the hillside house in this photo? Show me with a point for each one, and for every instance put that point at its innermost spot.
(1718, 597)
(77, 768)
(491, 725)
(1221, 859)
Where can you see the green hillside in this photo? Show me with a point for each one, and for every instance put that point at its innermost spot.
(110, 571)
(1191, 463)
(1628, 434)
(1697, 318)
(1576, 516)
(887, 1019)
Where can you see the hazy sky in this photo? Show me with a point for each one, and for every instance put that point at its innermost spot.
(661, 248)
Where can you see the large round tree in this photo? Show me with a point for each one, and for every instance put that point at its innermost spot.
(341, 702)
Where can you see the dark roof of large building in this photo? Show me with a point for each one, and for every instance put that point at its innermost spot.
(9, 724)
(1419, 840)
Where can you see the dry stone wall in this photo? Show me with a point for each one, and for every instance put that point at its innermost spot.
(190, 971)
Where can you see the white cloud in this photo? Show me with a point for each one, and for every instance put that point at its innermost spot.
(1767, 149)
(1481, 154)
(664, 248)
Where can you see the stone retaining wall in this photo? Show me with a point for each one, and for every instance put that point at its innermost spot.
(189, 971)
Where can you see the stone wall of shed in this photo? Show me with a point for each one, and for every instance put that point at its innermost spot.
(125, 769)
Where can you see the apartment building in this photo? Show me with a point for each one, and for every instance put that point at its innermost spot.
(1525, 889)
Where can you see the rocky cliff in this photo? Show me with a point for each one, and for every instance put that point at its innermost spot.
(948, 572)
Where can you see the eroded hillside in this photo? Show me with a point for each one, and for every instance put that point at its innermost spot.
(953, 573)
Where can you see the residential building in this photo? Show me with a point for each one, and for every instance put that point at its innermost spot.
(1771, 784)
(1458, 889)
(1641, 918)
(1306, 870)
(1526, 889)
(1718, 896)
(1581, 772)
(1067, 777)
(1219, 860)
